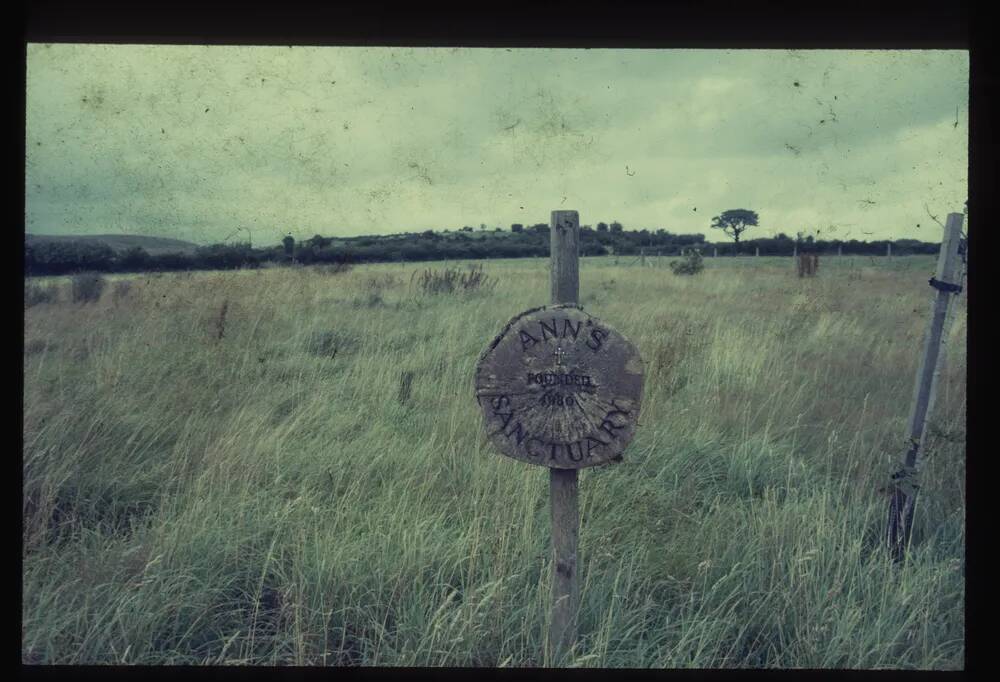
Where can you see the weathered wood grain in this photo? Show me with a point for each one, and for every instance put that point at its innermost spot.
(559, 388)
(905, 481)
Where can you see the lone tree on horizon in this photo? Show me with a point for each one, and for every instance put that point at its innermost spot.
(734, 222)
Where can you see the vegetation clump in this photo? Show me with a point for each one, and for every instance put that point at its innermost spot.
(451, 280)
(36, 293)
(691, 265)
(87, 287)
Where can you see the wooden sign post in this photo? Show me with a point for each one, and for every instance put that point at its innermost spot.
(561, 389)
(904, 487)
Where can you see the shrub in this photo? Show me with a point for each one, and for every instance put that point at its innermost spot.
(63, 257)
(87, 287)
(691, 265)
(171, 261)
(226, 256)
(36, 293)
(135, 259)
(451, 280)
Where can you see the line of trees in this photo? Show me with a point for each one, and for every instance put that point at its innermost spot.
(783, 245)
(65, 257)
(735, 221)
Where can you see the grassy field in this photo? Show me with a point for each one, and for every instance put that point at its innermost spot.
(219, 468)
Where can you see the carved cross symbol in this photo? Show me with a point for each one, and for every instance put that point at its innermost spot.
(559, 355)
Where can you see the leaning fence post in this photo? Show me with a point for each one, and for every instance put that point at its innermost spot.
(904, 483)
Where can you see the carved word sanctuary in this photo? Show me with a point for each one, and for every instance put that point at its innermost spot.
(615, 419)
(540, 447)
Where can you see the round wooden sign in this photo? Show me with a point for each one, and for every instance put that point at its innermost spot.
(559, 388)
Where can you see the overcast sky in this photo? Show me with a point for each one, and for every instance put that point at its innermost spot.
(194, 142)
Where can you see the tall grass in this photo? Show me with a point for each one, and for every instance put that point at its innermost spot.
(264, 496)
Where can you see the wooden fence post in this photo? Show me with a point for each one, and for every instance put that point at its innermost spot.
(959, 279)
(565, 281)
(757, 253)
(715, 252)
(549, 398)
(904, 483)
(888, 250)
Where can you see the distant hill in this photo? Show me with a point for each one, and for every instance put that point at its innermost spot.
(154, 246)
